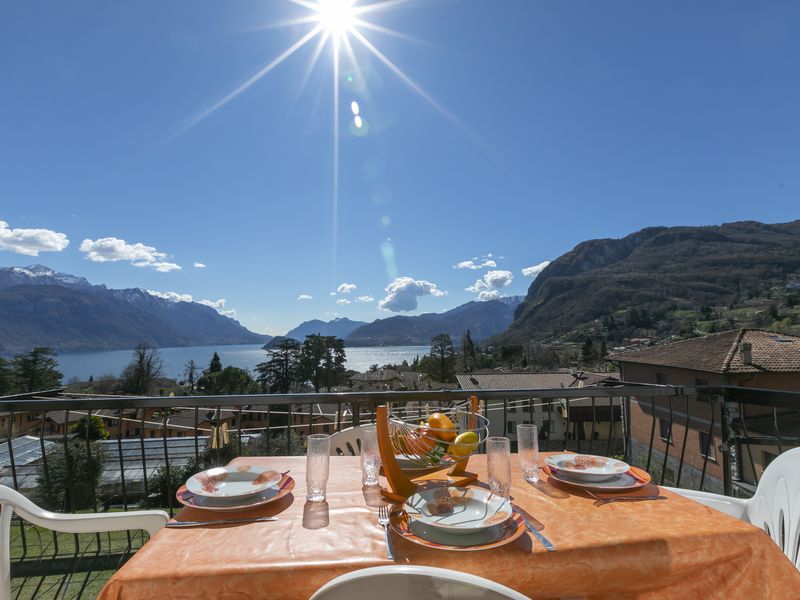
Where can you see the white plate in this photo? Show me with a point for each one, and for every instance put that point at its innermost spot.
(232, 482)
(457, 511)
(271, 494)
(587, 467)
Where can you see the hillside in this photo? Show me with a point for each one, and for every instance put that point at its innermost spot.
(660, 281)
(483, 319)
(339, 327)
(39, 307)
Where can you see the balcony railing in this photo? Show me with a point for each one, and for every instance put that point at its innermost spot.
(711, 438)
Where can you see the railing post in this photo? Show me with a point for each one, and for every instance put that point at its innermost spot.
(356, 407)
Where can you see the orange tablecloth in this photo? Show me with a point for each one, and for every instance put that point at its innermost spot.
(672, 548)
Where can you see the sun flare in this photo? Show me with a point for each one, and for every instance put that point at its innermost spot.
(337, 17)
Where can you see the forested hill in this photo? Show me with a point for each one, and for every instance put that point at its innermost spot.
(40, 307)
(648, 280)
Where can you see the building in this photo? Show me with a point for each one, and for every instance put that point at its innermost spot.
(557, 419)
(752, 358)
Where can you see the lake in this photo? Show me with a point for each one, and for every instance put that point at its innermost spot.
(245, 356)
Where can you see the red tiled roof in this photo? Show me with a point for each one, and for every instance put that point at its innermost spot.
(720, 353)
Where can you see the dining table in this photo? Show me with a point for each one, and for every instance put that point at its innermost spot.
(670, 548)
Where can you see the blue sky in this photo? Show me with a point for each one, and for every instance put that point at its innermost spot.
(554, 122)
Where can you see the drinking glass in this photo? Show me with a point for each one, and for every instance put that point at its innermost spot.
(498, 451)
(318, 459)
(370, 457)
(528, 448)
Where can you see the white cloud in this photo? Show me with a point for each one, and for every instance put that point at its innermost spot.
(219, 306)
(402, 293)
(331, 293)
(365, 299)
(488, 286)
(31, 241)
(476, 263)
(305, 297)
(343, 301)
(346, 288)
(173, 296)
(199, 265)
(535, 269)
(113, 249)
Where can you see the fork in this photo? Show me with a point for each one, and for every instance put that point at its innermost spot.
(383, 521)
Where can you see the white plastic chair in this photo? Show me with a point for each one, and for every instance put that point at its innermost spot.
(401, 582)
(346, 442)
(775, 507)
(149, 520)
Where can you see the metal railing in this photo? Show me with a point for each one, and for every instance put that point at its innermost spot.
(704, 437)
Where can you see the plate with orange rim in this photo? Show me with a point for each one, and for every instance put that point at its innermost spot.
(270, 494)
(424, 535)
(633, 479)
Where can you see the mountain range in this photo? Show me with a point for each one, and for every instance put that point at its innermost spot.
(482, 319)
(339, 327)
(41, 307)
(657, 272)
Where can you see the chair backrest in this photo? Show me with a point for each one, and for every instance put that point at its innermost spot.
(775, 507)
(400, 582)
(346, 442)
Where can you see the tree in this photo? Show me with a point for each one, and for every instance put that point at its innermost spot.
(230, 380)
(469, 352)
(279, 373)
(215, 365)
(97, 430)
(588, 353)
(140, 374)
(441, 362)
(322, 360)
(190, 371)
(6, 378)
(773, 311)
(73, 476)
(36, 371)
(510, 354)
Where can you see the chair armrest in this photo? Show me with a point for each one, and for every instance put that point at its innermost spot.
(735, 507)
(149, 520)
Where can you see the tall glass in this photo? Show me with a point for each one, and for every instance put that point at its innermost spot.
(370, 457)
(318, 460)
(498, 456)
(528, 449)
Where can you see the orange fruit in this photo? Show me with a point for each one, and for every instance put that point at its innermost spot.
(443, 427)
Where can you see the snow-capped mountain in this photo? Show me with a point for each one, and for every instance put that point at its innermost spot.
(42, 307)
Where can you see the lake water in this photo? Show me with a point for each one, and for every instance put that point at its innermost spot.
(245, 356)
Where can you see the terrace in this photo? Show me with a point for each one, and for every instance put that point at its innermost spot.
(154, 440)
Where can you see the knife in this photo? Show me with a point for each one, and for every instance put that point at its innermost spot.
(538, 535)
(180, 524)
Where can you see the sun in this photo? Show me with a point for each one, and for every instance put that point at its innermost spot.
(336, 17)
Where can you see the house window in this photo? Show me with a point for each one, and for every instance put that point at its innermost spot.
(707, 448)
(661, 379)
(32, 417)
(665, 430)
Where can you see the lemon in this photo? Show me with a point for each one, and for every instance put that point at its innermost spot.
(464, 445)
